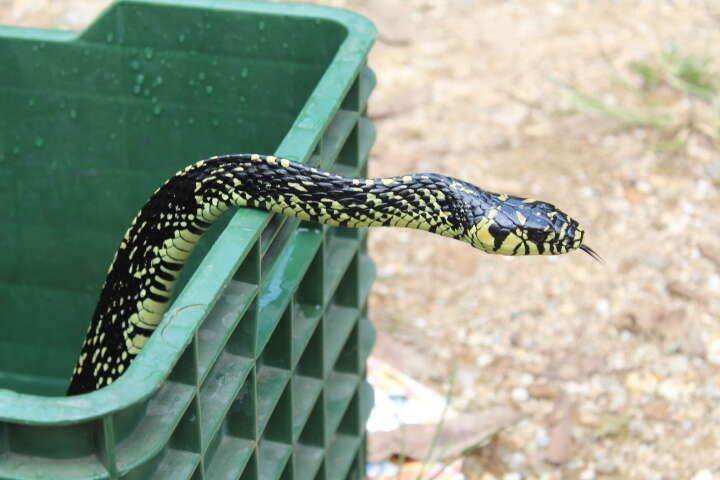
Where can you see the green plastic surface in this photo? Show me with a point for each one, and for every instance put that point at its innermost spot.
(258, 369)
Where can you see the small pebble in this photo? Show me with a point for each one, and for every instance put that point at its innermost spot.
(588, 474)
(606, 468)
(484, 359)
(517, 460)
(711, 392)
(526, 379)
(642, 382)
(655, 261)
(703, 474)
(520, 394)
(677, 364)
(643, 186)
(714, 171)
(657, 410)
(541, 390)
(713, 352)
(670, 390)
(602, 306)
(542, 438)
(616, 361)
(512, 476)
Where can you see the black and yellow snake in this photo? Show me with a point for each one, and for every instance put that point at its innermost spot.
(142, 275)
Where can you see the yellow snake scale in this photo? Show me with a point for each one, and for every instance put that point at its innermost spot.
(140, 280)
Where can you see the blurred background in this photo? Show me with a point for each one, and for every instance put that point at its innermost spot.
(608, 109)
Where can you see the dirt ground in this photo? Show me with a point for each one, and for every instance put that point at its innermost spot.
(615, 367)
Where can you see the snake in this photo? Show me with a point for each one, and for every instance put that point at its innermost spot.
(141, 277)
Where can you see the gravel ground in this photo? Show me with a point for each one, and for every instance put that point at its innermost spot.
(615, 367)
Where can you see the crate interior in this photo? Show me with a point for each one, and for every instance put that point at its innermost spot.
(91, 125)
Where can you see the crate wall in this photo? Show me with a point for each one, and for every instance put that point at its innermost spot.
(270, 381)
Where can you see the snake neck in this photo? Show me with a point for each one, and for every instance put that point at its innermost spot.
(143, 273)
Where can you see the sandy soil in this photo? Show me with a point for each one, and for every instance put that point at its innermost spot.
(615, 367)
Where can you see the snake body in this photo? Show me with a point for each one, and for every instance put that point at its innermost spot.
(141, 277)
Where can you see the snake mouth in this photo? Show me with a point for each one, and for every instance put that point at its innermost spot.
(592, 253)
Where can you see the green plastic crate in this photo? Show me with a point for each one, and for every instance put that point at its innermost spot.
(258, 370)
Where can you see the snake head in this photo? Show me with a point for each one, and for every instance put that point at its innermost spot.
(507, 225)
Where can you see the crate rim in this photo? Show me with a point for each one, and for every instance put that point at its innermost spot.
(154, 364)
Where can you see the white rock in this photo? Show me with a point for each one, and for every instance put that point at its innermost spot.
(713, 352)
(643, 186)
(512, 476)
(484, 359)
(588, 474)
(542, 438)
(606, 468)
(643, 382)
(677, 364)
(602, 306)
(674, 389)
(713, 282)
(520, 394)
(670, 390)
(703, 474)
(517, 460)
(711, 392)
(616, 361)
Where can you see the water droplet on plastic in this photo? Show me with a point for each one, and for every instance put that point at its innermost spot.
(181, 38)
(110, 37)
(285, 45)
(209, 89)
(137, 89)
(31, 102)
(307, 122)
(39, 142)
(215, 122)
(73, 114)
(201, 75)
(35, 48)
(140, 78)
(261, 25)
(158, 109)
(190, 121)
(244, 72)
(149, 53)
(135, 65)
(158, 81)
